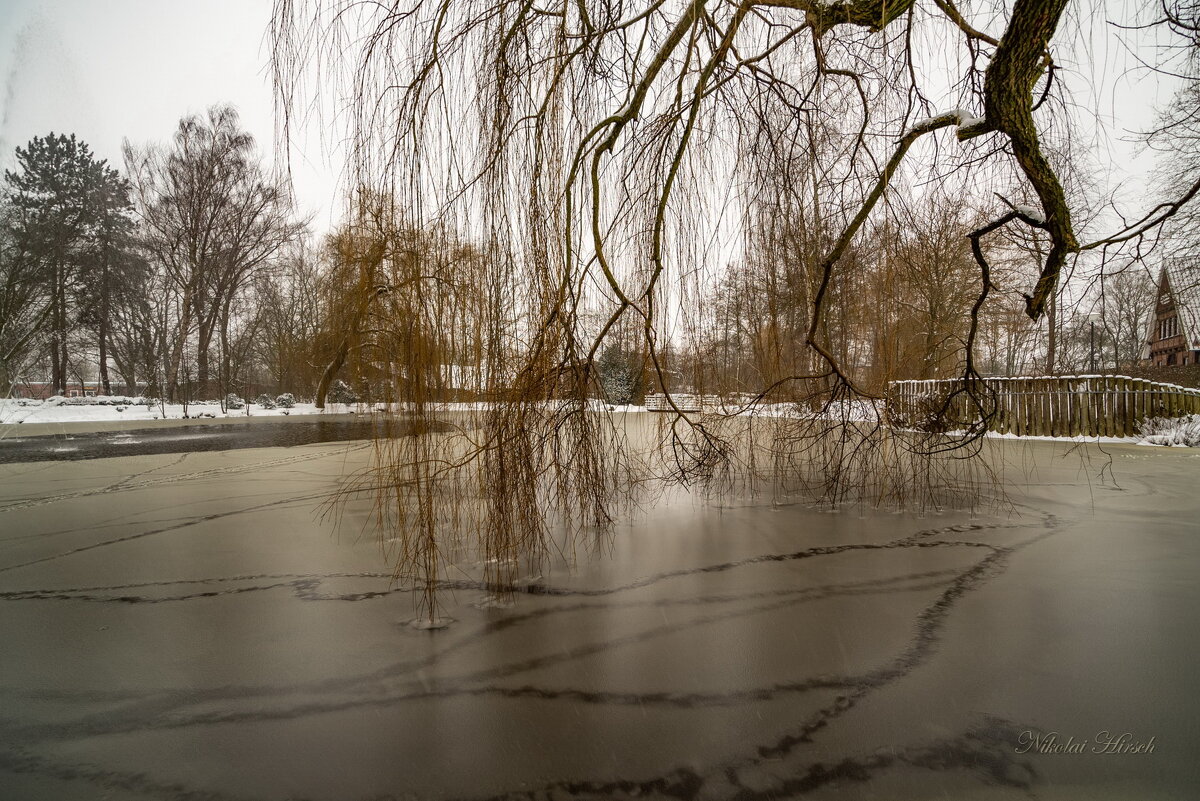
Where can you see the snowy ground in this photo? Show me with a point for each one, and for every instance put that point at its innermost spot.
(75, 410)
(189, 627)
(105, 409)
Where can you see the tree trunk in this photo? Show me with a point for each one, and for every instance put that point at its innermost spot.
(185, 323)
(225, 367)
(206, 313)
(58, 361)
(331, 370)
(56, 372)
(65, 355)
(1052, 339)
(104, 358)
(130, 379)
(368, 293)
(223, 376)
(1008, 107)
(103, 326)
(202, 345)
(343, 349)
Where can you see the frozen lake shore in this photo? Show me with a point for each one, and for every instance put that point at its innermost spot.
(186, 626)
(48, 442)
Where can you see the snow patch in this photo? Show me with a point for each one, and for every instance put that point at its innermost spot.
(100, 409)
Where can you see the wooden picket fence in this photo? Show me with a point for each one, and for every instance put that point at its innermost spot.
(1052, 406)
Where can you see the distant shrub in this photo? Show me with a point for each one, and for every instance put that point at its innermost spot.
(340, 392)
(266, 401)
(117, 400)
(286, 401)
(232, 401)
(98, 400)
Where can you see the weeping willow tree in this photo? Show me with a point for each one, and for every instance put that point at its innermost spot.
(496, 438)
(608, 156)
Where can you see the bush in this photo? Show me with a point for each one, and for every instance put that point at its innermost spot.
(232, 401)
(340, 392)
(266, 401)
(96, 400)
(1171, 431)
(285, 401)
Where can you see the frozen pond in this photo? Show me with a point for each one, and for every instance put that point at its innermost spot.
(178, 437)
(185, 626)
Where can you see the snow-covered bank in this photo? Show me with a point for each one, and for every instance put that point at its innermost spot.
(1179, 432)
(119, 408)
(104, 408)
(1176, 431)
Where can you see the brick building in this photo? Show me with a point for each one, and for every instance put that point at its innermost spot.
(40, 390)
(1173, 333)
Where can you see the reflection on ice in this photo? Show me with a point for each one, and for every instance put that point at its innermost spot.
(200, 634)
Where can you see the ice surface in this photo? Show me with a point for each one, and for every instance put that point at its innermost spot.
(189, 627)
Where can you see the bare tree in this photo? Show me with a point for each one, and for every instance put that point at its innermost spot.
(1126, 305)
(136, 335)
(933, 281)
(289, 317)
(211, 217)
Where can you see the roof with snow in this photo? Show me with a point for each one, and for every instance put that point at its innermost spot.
(1183, 281)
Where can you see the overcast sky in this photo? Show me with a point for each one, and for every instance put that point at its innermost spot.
(110, 69)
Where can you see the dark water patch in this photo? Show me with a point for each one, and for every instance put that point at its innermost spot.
(222, 436)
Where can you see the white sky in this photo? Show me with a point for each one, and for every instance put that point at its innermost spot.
(110, 69)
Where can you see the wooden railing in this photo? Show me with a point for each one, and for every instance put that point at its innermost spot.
(685, 402)
(1053, 406)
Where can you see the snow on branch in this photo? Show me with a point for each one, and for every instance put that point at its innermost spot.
(1028, 214)
(962, 118)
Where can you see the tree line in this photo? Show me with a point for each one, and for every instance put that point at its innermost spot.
(186, 276)
(189, 276)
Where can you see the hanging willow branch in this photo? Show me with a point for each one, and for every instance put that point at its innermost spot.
(609, 162)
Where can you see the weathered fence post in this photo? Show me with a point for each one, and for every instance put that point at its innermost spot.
(1043, 406)
(1130, 427)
